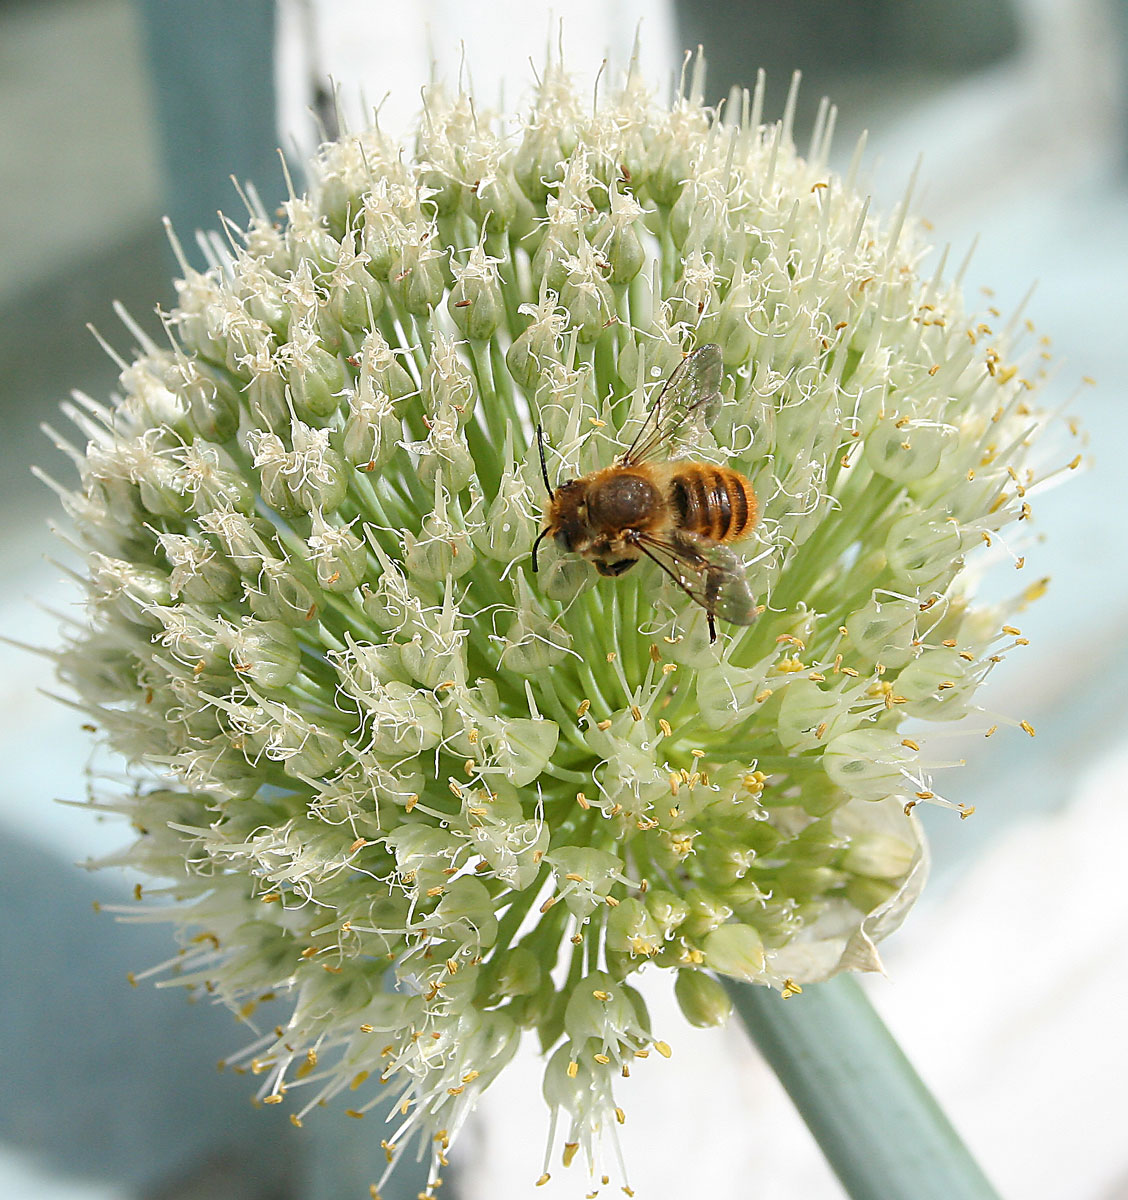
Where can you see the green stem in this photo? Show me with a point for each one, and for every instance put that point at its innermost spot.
(880, 1128)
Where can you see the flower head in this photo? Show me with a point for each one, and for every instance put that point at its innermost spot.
(434, 799)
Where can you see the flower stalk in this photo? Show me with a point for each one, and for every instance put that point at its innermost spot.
(882, 1132)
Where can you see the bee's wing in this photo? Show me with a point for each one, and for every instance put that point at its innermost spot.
(708, 572)
(693, 390)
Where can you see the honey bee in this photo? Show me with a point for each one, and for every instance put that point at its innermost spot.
(679, 513)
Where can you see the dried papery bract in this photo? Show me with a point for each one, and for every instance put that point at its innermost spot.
(430, 800)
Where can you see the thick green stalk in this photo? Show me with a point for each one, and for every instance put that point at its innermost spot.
(880, 1128)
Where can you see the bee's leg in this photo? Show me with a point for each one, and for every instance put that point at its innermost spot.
(713, 580)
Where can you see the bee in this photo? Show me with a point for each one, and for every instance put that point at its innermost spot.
(680, 514)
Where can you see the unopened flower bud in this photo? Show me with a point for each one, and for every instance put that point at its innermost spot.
(266, 653)
(867, 763)
(200, 573)
(281, 593)
(475, 303)
(339, 557)
(736, 950)
(702, 999)
(296, 482)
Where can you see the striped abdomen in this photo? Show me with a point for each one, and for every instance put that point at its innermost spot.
(715, 502)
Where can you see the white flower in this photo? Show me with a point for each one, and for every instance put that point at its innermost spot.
(436, 800)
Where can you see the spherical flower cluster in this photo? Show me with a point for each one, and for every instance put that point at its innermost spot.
(433, 800)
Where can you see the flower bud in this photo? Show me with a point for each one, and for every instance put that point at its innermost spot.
(810, 714)
(213, 404)
(370, 433)
(441, 551)
(632, 930)
(884, 632)
(317, 382)
(521, 973)
(937, 685)
(585, 293)
(736, 950)
(475, 303)
(296, 482)
(339, 557)
(416, 277)
(406, 721)
(667, 908)
(533, 643)
(923, 552)
(281, 593)
(265, 652)
(584, 877)
(878, 855)
(538, 344)
(867, 763)
(200, 573)
(702, 999)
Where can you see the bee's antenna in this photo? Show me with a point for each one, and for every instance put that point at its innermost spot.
(540, 538)
(544, 473)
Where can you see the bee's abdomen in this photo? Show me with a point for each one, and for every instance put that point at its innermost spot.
(716, 502)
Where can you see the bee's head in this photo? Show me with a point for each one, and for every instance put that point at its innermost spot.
(566, 518)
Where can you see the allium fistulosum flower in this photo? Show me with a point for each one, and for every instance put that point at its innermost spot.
(433, 800)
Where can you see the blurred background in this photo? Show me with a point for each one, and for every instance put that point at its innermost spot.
(1008, 985)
